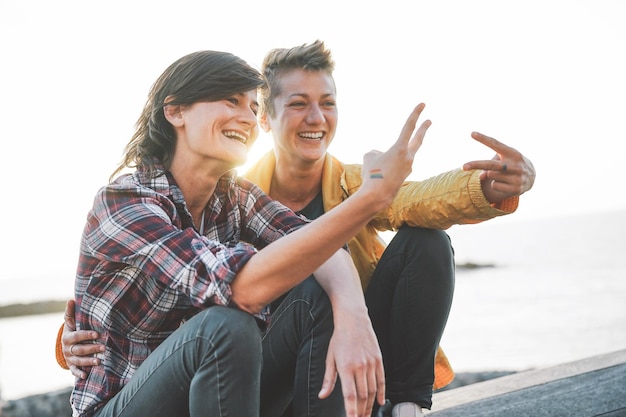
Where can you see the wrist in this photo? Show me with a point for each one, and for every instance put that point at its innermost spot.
(373, 200)
(349, 309)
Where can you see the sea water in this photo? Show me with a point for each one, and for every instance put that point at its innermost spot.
(554, 292)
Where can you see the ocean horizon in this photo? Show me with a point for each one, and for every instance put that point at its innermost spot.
(554, 292)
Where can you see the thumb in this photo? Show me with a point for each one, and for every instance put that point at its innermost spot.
(330, 378)
(69, 315)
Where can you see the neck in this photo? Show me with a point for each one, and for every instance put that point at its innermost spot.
(296, 186)
(197, 185)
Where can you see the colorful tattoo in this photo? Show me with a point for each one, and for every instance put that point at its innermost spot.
(376, 173)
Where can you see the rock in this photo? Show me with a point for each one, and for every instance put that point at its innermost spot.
(51, 404)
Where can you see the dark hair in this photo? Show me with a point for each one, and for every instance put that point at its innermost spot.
(199, 76)
(311, 57)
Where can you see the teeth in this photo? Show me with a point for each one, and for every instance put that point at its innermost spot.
(311, 135)
(236, 135)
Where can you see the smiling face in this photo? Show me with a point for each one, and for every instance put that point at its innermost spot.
(305, 116)
(220, 131)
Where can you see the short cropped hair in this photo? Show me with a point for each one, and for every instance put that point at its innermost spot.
(309, 57)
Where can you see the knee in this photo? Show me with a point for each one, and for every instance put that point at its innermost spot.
(225, 326)
(431, 242)
(307, 301)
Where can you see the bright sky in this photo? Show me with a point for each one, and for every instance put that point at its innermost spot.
(544, 76)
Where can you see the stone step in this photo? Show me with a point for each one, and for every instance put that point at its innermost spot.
(595, 386)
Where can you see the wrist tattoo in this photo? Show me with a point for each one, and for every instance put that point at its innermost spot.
(376, 173)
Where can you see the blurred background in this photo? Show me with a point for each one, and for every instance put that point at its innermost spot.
(545, 77)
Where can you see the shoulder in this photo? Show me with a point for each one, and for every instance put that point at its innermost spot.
(129, 193)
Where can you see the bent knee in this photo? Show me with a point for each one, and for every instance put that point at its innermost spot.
(434, 240)
(229, 325)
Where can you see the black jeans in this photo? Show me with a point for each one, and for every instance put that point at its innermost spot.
(409, 300)
(294, 355)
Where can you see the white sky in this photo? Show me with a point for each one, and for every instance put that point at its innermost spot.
(546, 77)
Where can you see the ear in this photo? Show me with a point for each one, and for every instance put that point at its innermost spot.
(173, 113)
(264, 123)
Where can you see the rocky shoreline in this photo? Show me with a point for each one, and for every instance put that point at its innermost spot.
(56, 403)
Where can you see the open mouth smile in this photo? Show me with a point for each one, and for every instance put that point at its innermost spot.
(311, 135)
(231, 134)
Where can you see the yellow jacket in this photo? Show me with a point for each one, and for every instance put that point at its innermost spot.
(454, 197)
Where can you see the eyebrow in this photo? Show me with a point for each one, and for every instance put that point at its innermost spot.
(255, 102)
(307, 95)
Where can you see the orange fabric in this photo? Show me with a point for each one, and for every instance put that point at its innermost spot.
(59, 350)
(444, 374)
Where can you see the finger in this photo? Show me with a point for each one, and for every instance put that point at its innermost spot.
(381, 384)
(418, 138)
(363, 394)
(505, 188)
(369, 156)
(409, 125)
(85, 350)
(82, 361)
(350, 397)
(492, 143)
(69, 315)
(372, 391)
(76, 337)
(329, 381)
(77, 372)
(495, 165)
(83, 355)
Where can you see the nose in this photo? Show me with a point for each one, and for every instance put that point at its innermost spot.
(315, 115)
(247, 116)
(248, 119)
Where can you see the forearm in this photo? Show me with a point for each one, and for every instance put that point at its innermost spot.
(340, 280)
(287, 261)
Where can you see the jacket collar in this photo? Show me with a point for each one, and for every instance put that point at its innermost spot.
(333, 191)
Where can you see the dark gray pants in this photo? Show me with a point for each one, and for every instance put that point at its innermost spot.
(219, 364)
(210, 366)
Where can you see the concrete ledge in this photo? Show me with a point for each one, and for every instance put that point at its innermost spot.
(590, 387)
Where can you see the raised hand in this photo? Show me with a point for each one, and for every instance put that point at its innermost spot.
(386, 171)
(508, 174)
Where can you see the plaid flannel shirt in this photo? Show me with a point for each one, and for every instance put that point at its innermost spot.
(144, 268)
